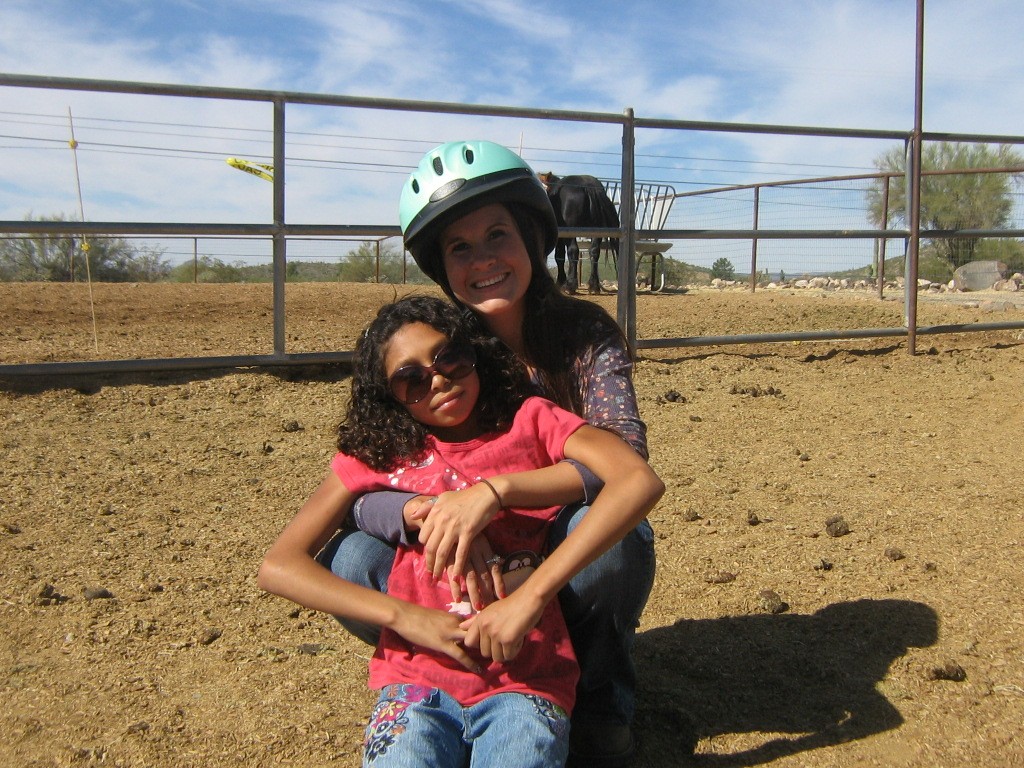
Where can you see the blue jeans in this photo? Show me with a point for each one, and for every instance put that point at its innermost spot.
(413, 726)
(601, 604)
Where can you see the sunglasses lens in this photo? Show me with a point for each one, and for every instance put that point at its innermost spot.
(412, 383)
(455, 362)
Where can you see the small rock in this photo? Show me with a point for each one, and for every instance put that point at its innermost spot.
(696, 418)
(209, 635)
(824, 565)
(12, 528)
(996, 306)
(719, 577)
(312, 649)
(689, 515)
(274, 654)
(140, 727)
(805, 456)
(836, 526)
(97, 593)
(948, 671)
(49, 595)
(674, 397)
(753, 519)
(893, 553)
(770, 602)
(268, 448)
(292, 426)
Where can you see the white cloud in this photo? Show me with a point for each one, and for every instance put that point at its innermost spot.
(837, 63)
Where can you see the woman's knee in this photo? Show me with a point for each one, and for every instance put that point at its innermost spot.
(359, 558)
(618, 583)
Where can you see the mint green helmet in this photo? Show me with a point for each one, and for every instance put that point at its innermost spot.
(457, 178)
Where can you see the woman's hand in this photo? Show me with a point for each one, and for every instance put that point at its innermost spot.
(499, 629)
(450, 525)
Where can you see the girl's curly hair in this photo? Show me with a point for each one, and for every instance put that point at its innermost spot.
(377, 429)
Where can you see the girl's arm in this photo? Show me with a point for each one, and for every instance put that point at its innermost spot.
(456, 517)
(290, 570)
(631, 490)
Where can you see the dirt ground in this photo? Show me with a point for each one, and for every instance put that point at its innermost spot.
(134, 512)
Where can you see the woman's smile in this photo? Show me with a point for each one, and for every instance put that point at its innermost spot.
(488, 282)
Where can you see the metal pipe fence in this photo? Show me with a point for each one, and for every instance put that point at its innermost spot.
(280, 230)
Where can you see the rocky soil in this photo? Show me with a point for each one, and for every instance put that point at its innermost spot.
(839, 547)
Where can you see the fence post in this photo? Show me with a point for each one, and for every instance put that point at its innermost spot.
(753, 241)
(914, 189)
(880, 272)
(279, 241)
(626, 300)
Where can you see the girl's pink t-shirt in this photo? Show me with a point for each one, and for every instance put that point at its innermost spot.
(546, 665)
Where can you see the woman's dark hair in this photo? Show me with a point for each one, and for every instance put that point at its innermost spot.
(377, 429)
(560, 332)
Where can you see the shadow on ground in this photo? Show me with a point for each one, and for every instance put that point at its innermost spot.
(811, 676)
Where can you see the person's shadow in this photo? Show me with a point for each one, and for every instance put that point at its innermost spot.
(811, 676)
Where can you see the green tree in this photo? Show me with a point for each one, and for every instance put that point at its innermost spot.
(723, 269)
(361, 265)
(951, 200)
(62, 258)
(209, 269)
(676, 272)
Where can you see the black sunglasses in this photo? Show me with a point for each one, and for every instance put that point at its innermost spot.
(411, 383)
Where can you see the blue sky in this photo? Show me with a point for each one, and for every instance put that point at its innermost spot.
(836, 63)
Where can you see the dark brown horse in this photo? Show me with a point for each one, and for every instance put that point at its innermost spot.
(579, 201)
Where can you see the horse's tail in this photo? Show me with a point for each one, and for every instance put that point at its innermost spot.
(608, 215)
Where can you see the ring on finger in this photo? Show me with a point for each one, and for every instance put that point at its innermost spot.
(494, 560)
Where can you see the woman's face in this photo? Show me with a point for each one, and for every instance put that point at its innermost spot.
(487, 264)
(447, 409)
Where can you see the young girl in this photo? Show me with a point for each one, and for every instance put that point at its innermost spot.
(438, 411)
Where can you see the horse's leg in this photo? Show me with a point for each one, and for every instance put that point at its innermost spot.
(560, 262)
(574, 265)
(594, 284)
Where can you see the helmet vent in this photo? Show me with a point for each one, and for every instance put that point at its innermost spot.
(416, 186)
(468, 154)
(438, 166)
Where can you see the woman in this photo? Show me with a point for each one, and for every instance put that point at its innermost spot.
(479, 223)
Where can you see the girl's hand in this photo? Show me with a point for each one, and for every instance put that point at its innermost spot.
(416, 510)
(499, 629)
(452, 523)
(437, 630)
(483, 579)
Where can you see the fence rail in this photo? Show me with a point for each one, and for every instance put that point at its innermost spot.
(279, 230)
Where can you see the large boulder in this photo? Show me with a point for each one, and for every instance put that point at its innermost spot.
(978, 275)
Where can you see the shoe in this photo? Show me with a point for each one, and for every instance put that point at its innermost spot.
(600, 745)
